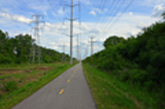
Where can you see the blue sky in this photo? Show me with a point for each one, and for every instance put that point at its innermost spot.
(99, 18)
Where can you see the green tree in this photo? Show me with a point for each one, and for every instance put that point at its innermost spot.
(113, 40)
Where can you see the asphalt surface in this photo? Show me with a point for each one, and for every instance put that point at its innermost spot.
(68, 91)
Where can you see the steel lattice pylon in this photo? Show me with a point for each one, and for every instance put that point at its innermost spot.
(36, 50)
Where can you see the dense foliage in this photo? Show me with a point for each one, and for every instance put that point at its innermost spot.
(137, 60)
(18, 50)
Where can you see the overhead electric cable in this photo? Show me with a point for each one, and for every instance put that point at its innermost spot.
(117, 10)
(120, 15)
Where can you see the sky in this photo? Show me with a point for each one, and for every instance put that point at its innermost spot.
(94, 18)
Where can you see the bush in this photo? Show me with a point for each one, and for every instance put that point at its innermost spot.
(150, 85)
(5, 59)
(124, 76)
(139, 76)
(47, 59)
(10, 86)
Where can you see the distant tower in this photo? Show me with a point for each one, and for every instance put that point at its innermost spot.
(92, 47)
(36, 49)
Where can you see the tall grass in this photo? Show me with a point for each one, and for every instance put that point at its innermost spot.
(16, 94)
(110, 92)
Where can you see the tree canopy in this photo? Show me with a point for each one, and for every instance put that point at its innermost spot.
(18, 50)
(144, 55)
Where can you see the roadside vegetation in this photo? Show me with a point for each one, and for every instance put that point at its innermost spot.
(138, 62)
(110, 93)
(19, 75)
(18, 49)
(19, 81)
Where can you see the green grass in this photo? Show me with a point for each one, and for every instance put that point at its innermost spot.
(30, 82)
(117, 92)
(108, 92)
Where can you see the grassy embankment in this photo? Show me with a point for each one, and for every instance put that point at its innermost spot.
(110, 93)
(19, 81)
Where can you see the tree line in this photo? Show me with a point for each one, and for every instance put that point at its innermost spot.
(18, 50)
(138, 60)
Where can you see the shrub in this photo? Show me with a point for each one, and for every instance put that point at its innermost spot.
(133, 74)
(150, 85)
(124, 76)
(10, 86)
(139, 76)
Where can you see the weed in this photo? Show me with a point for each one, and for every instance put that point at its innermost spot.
(10, 86)
(30, 82)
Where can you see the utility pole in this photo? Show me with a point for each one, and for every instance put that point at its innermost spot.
(36, 28)
(63, 56)
(77, 47)
(91, 47)
(71, 26)
(86, 53)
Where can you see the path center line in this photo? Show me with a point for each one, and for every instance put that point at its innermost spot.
(68, 80)
(61, 91)
(75, 70)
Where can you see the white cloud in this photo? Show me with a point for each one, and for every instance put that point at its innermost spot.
(18, 18)
(151, 3)
(130, 13)
(94, 10)
(86, 2)
(105, 9)
(4, 10)
(125, 27)
(93, 13)
(60, 11)
(52, 37)
(130, 23)
(41, 6)
(45, 13)
(158, 10)
(98, 10)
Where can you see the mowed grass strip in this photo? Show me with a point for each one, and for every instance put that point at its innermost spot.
(30, 82)
(105, 93)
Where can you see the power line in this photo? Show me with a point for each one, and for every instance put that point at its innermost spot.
(18, 7)
(122, 13)
(100, 14)
(111, 13)
(96, 18)
(53, 9)
(119, 15)
(111, 8)
(117, 10)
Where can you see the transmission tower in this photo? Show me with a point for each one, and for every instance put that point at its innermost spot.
(71, 26)
(92, 42)
(63, 56)
(36, 21)
(78, 57)
(86, 53)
